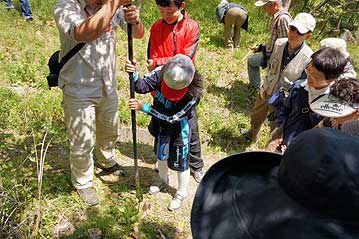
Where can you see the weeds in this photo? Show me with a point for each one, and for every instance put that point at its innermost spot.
(40, 172)
(11, 206)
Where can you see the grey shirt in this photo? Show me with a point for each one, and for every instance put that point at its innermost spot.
(92, 71)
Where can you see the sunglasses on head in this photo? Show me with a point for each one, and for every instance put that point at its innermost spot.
(294, 29)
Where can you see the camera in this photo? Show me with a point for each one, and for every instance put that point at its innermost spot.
(54, 67)
(52, 80)
(55, 64)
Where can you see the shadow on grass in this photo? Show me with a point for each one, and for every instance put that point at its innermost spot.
(147, 176)
(236, 95)
(144, 151)
(217, 41)
(114, 220)
(229, 141)
(127, 183)
(151, 229)
(121, 222)
(118, 210)
(18, 163)
(238, 100)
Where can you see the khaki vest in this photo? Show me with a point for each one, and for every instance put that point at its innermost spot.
(292, 71)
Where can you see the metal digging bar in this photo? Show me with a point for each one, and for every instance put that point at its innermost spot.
(133, 112)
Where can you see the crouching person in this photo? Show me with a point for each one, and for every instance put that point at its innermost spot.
(178, 88)
(234, 17)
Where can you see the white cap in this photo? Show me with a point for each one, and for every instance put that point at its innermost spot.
(330, 106)
(336, 43)
(223, 1)
(264, 2)
(304, 22)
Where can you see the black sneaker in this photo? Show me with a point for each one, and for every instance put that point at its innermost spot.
(89, 196)
(197, 175)
(116, 169)
(245, 133)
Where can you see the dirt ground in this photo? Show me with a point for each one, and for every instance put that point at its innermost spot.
(155, 214)
(154, 207)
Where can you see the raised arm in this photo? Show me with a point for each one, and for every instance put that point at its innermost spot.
(132, 16)
(94, 26)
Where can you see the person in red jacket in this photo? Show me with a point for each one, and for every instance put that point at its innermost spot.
(174, 34)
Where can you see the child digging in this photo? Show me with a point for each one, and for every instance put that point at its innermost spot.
(178, 89)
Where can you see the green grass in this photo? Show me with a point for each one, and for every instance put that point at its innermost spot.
(25, 117)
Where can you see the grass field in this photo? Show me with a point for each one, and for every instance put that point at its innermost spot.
(29, 111)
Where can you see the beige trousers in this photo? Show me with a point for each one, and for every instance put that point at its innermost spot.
(234, 19)
(259, 114)
(90, 122)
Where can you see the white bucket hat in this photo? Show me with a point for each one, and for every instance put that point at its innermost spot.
(330, 106)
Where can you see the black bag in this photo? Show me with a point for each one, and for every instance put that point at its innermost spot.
(55, 65)
(264, 63)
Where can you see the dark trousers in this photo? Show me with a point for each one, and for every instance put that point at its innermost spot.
(195, 160)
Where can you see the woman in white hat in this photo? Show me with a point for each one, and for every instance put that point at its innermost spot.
(341, 105)
(341, 45)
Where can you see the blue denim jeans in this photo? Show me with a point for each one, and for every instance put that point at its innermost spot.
(253, 63)
(25, 7)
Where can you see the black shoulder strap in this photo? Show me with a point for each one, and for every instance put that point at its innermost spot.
(71, 53)
(303, 94)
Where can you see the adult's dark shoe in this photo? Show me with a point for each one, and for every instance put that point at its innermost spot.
(197, 175)
(247, 135)
(89, 196)
(116, 170)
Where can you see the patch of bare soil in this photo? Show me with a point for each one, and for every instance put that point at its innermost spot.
(167, 224)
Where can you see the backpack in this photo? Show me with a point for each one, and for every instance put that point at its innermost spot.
(278, 98)
(306, 111)
(55, 65)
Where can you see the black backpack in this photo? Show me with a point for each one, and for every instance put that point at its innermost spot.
(55, 65)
